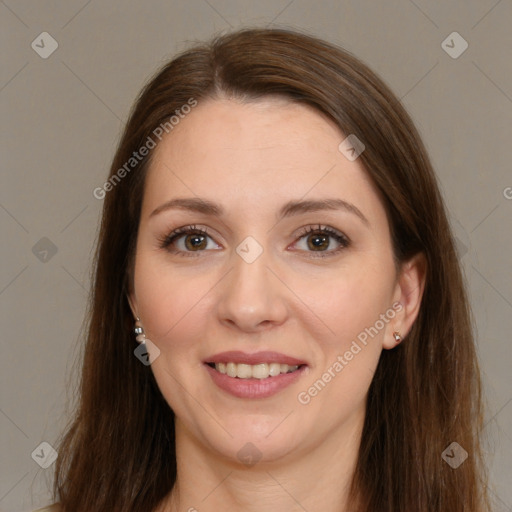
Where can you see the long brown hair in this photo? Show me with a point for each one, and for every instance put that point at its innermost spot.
(118, 453)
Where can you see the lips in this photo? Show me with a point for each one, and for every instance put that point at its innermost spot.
(257, 375)
(238, 357)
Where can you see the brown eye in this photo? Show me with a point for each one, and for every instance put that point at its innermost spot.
(324, 241)
(188, 240)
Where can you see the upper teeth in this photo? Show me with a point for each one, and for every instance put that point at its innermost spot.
(256, 371)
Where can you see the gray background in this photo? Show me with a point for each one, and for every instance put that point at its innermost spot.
(61, 120)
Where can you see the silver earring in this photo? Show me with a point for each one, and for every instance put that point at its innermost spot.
(397, 336)
(140, 336)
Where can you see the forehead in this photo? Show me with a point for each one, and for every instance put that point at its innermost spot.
(255, 154)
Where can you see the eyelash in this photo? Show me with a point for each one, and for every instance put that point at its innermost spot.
(167, 240)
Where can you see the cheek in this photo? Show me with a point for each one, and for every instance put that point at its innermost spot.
(349, 301)
(167, 298)
(359, 309)
(173, 307)
(348, 358)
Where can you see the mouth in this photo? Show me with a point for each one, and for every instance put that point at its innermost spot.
(259, 375)
(257, 371)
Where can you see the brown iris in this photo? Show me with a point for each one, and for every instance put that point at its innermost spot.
(194, 242)
(318, 241)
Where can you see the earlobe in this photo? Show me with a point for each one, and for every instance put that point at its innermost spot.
(409, 292)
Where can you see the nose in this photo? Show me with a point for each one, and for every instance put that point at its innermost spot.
(251, 297)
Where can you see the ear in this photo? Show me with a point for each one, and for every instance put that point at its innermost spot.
(133, 303)
(408, 292)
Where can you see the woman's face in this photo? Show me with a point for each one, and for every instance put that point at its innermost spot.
(271, 278)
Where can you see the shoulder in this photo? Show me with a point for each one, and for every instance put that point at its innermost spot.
(51, 508)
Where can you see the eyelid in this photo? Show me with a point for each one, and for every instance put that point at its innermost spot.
(312, 228)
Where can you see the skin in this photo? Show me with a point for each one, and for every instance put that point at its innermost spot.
(252, 158)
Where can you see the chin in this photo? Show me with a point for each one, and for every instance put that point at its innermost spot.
(257, 439)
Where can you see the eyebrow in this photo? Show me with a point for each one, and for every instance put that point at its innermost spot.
(291, 208)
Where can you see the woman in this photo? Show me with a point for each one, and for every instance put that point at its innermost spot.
(279, 320)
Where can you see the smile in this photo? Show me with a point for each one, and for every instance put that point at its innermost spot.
(259, 375)
(256, 371)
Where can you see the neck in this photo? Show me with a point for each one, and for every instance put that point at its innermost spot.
(317, 480)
